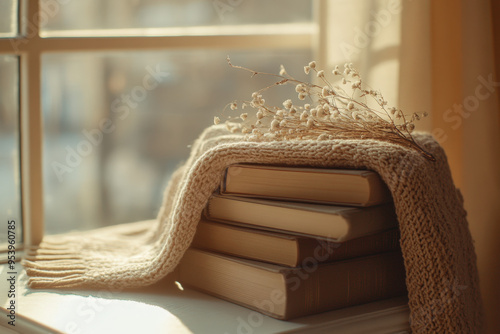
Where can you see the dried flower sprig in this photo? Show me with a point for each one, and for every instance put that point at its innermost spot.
(333, 111)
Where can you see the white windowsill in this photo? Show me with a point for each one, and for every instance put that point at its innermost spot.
(160, 308)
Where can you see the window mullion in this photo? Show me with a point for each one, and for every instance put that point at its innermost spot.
(172, 42)
(31, 128)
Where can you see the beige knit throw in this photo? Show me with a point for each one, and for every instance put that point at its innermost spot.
(439, 255)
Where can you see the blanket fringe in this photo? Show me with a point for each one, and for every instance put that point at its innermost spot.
(51, 257)
(53, 273)
(54, 264)
(55, 282)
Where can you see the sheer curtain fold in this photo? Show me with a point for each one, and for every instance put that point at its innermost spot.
(435, 56)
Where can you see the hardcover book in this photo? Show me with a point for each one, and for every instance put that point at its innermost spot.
(286, 249)
(334, 186)
(336, 223)
(287, 293)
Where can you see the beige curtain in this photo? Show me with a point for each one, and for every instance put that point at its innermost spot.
(439, 57)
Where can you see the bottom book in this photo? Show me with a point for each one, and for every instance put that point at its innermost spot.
(286, 293)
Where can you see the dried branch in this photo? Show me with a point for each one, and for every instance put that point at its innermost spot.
(334, 112)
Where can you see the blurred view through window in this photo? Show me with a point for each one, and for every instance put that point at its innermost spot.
(10, 186)
(8, 18)
(117, 124)
(138, 14)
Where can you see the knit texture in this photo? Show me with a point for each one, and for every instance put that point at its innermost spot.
(439, 256)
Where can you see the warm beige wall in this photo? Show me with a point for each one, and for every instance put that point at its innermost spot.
(462, 58)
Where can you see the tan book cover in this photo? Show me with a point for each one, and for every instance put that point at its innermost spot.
(287, 293)
(286, 249)
(334, 186)
(335, 223)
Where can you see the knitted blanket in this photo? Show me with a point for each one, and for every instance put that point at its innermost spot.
(439, 256)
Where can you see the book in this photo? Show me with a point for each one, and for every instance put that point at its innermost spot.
(287, 293)
(285, 249)
(334, 186)
(336, 223)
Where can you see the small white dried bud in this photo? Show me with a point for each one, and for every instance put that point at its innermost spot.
(325, 91)
(411, 127)
(245, 130)
(234, 106)
(307, 69)
(350, 106)
(312, 64)
(299, 88)
(216, 120)
(356, 84)
(302, 96)
(310, 123)
(293, 111)
(283, 123)
(244, 116)
(321, 74)
(260, 114)
(304, 115)
(307, 106)
(344, 81)
(279, 113)
(314, 112)
(254, 95)
(282, 70)
(287, 104)
(275, 124)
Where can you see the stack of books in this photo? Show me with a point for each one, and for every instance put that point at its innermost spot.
(290, 242)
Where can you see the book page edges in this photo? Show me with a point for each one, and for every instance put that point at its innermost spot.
(375, 184)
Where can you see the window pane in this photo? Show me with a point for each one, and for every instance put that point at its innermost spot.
(10, 189)
(139, 14)
(117, 125)
(8, 18)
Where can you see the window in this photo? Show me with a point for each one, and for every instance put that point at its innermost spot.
(8, 18)
(112, 93)
(10, 190)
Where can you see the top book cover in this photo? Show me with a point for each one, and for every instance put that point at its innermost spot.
(316, 185)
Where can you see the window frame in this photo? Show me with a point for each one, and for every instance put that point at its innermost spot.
(29, 45)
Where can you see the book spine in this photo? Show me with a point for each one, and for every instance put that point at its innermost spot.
(223, 180)
(324, 251)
